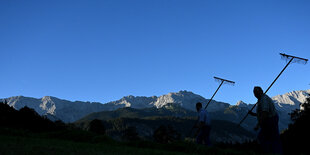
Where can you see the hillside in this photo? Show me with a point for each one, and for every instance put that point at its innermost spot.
(169, 109)
(147, 120)
(222, 131)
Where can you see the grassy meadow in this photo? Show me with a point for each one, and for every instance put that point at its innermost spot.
(83, 142)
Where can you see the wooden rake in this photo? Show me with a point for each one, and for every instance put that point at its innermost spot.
(288, 58)
(222, 81)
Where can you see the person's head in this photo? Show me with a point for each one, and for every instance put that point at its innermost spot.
(198, 106)
(258, 92)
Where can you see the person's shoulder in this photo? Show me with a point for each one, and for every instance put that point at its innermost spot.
(266, 97)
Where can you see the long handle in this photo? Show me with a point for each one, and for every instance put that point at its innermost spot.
(214, 94)
(266, 90)
(279, 75)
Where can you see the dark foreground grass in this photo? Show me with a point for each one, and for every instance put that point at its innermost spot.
(86, 143)
(27, 145)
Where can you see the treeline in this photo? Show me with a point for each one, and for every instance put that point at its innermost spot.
(165, 129)
(296, 138)
(26, 119)
(26, 122)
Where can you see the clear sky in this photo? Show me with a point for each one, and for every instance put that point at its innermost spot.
(102, 50)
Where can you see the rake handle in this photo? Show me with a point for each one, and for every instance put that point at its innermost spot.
(247, 114)
(267, 90)
(279, 75)
(214, 94)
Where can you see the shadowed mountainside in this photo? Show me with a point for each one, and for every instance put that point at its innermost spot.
(145, 121)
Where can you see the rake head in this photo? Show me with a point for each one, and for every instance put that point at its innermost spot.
(295, 59)
(224, 81)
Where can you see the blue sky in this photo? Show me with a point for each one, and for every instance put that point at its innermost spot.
(106, 49)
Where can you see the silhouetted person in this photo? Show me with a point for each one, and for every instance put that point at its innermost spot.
(203, 131)
(268, 119)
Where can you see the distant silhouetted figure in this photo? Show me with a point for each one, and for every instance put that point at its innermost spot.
(203, 125)
(268, 119)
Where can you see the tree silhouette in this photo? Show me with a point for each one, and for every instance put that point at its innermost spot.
(296, 136)
(96, 126)
(8, 115)
(166, 134)
(130, 134)
(25, 119)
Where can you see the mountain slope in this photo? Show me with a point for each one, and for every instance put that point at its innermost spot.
(185, 99)
(66, 111)
(170, 109)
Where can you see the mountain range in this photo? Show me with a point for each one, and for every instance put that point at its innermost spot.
(69, 111)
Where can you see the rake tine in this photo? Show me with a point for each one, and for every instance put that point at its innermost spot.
(217, 78)
(290, 56)
(222, 81)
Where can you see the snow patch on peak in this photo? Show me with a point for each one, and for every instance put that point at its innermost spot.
(241, 104)
(292, 98)
(46, 98)
(187, 100)
(290, 101)
(48, 105)
(137, 102)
